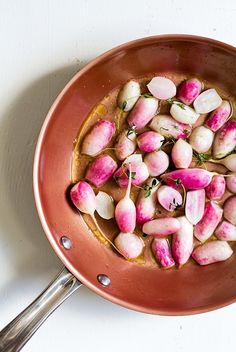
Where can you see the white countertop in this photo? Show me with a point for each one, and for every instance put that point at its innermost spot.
(43, 43)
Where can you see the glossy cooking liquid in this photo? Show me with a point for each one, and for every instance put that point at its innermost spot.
(107, 109)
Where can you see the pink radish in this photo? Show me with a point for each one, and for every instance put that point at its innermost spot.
(162, 252)
(162, 88)
(216, 189)
(126, 144)
(125, 211)
(146, 201)
(169, 198)
(219, 116)
(207, 101)
(212, 252)
(157, 162)
(189, 178)
(168, 127)
(229, 162)
(231, 182)
(128, 95)
(129, 244)
(207, 225)
(201, 139)
(226, 231)
(182, 241)
(183, 113)
(100, 170)
(150, 141)
(230, 210)
(143, 112)
(161, 227)
(194, 206)
(84, 199)
(189, 90)
(225, 140)
(98, 138)
(181, 154)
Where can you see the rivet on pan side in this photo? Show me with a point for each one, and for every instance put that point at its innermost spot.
(104, 280)
(66, 242)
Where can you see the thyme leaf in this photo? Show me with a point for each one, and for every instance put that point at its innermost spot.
(201, 157)
(176, 102)
(124, 104)
(147, 95)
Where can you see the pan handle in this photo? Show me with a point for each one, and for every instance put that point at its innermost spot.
(14, 336)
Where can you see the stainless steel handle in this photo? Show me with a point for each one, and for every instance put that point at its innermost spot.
(14, 336)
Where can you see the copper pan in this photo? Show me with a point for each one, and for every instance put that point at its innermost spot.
(193, 289)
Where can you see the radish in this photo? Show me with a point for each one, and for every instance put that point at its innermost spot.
(128, 95)
(182, 154)
(105, 205)
(146, 201)
(168, 127)
(84, 199)
(125, 211)
(212, 252)
(157, 162)
(162, 88)
(189, 90)
(126, 144)
(216, 189)
(230, 210)
(226, 231)
(169, 198)
(183, 113)
(225, 140)
(207, 101)
(201, 139)
(129, 244)
(161, 227)
(143, 112)
(207, 225)
(231, 182)
(182, 241)
(150, 141)
(98, 138)
(100, 170)
(229, 162)
(219, 116)
(189, 178)
(162, 252)
(194, 205)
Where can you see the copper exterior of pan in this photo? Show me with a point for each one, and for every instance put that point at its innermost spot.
(192, 289)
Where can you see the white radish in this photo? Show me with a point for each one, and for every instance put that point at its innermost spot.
(212, 252)
(161, 227)
(231, 182)
(162, 88)
(216, 189)
(201, 139)
(129, 245)
(143, 111)
(226, 231)
(207, 101)
(126, 144)
(157, 162)
(146, 201)
(169, 198)
(128, 95)
(194, 205)
(181, 154)
(182, 241)
(229, 162)
(230, 210)
(183, 113)
(225, 140)
(169, 127)
(105, 205)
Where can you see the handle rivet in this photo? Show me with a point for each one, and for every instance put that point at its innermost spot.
(66, 242)
(104, 279)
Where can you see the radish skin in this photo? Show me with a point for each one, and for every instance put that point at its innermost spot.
(139, 170)
(128, 95)
(100, 170)
(169, 198)
(210, 220)
(83, 197)
(183, 113)
(189, 90)
(162, 252)
(143, 112)
(182, 154)
(129, 244)
(169, 127)
(161, 227)
(150, 141)
(146, 202)
(216, 189)
(201, 139)
(212, 252)
(189, 178)
(126, 144)
(226, 231)
(231, 182)
(182, 241)
(225, 140)
(207, 101)
(230, 210)
(194, 206)
(219, 116)
(98, 138)
(157, 162)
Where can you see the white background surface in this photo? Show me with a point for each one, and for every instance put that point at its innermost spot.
(43, 43)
